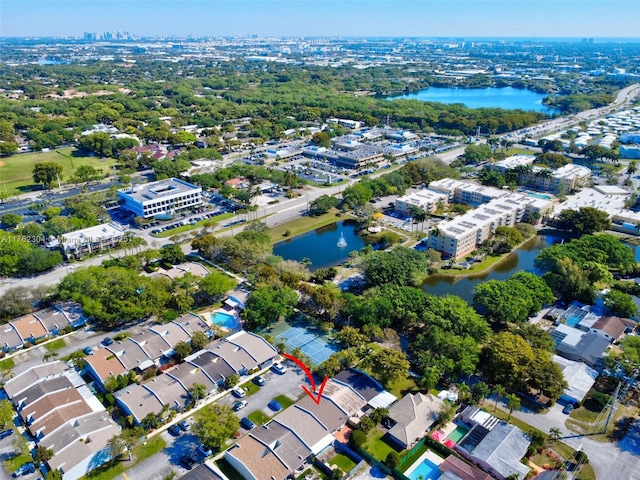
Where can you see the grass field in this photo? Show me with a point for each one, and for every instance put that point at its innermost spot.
(7, 364)
(54, 345)
(258, 417)
(16, 170)
(140, 452)
(283, 400)
(343, 462)
(302, 225)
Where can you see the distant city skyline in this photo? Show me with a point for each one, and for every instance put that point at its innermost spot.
(411, 18)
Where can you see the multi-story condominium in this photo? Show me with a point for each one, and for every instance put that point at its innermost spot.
(162, 197)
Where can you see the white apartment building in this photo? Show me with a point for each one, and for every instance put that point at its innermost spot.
(570, 177)
(161, 197)
(512, 162)
(425, 199)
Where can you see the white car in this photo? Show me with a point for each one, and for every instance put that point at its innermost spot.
(279, 368)
(238, 392)
(239, 405)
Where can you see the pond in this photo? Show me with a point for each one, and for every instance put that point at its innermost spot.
(521, 259)
(321, 245)
(508, 97)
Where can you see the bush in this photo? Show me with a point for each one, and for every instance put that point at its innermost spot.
(357, 438)
(580, 457)
(599, 399)
(392, 460)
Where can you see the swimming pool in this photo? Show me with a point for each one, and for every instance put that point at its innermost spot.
(426, 470)
(457, 434)
(225, 320)
(539, 195)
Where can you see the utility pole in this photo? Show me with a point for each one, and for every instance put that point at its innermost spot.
(612, 407)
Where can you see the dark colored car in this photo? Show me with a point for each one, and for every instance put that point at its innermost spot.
(246, 423)
(88, 350)
(174, 430)
(107, 341)
(188, 461)
(275, 406)
(6, 433)
(259, 380)
(24, 469)
(567, 409)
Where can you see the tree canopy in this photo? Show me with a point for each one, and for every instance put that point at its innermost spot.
(214, 424)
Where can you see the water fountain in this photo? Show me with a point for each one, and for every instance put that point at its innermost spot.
(342, 242)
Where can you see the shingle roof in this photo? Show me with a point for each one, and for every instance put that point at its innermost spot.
(139, 401)
(32, 376)
(215, 367)
(414, 414)
(105, 363)
(462, 469)
(28, 327)
(255, 456)
(188, 374)
(257, 347)
(131, 355)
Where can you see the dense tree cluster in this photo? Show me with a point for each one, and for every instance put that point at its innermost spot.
(399, 266)
(20, 255)
(584, 221)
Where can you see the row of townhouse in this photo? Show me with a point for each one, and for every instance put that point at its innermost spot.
(145, 348)
(239, 353)
(61, 413)
(40, 325)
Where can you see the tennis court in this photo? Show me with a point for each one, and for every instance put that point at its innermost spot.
(310, 344)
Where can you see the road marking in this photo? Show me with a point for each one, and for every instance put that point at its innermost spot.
(125, 476)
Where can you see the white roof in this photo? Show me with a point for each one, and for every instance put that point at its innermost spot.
(104, 232)
(579, 377)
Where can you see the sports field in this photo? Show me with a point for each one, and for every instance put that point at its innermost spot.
(16, 170)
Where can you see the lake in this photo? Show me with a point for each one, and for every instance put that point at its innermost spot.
(508, 97)
(520, 259)
(321, 245)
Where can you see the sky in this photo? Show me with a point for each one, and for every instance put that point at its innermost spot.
(410, 18)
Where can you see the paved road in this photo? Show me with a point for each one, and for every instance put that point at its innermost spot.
(602, 456)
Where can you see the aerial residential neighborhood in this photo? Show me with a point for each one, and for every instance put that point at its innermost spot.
(310, 241)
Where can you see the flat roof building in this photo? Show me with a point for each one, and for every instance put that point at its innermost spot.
(92, 239)
(163, 197)
(425, 199)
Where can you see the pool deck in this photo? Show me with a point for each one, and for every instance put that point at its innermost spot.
(429, 455)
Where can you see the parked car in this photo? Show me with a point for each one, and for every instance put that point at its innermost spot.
(239, 405)
(107, 341)
(238, 392)
(567, 409)
(88, 350)
(184, 425)
(259, 380)
(246, 423)
(275, 406)
(279, 368)
(24, 469)
(6, 433)
(188, 461)
(174, 430)
(204, 451)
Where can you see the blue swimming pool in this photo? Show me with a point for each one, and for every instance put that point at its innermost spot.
(427, 470)
(225, 320)
(539, 195)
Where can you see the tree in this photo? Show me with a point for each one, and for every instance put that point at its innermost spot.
(351, 337)
(197, 392)
(10, 220)
(172, 253)
(267, 305)
(474, 154)
(506, 359)
(388, 365)
(231, 381)
(198, 341)
(479, 391)
(502, 301)
(43, 454)
(619, 303)
(216, 284)
(499, 392)
(554, 434)
(86, 173)
(357, 439)
(6, 413)
(53, 475)
(585, 221)
(150, 421)
(321, 139)
(400, 266)
(392, 460)
(214, 424)
(513, 402)
(47, 173)
(182, 349)
(463, 392)
(322, 205)
(632, 168)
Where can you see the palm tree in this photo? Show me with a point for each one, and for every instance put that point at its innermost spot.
(554, 434)
(514, 403)
(632, 168)
(197, 392)
(499, 392)
(463, 391)
(117, 446)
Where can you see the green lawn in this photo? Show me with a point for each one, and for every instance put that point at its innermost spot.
(411, 459)
(54, 345)
(402, 386)
(16, 170)
(13, 463)
(378, 448)
(302, 225)
(7, 364)
(140, 453)
(250, 388)
(186, 228)
(258, 417)
(343, 462)
(285, 401)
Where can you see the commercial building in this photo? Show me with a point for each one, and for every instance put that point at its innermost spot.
(163, 197)
(89, 240)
